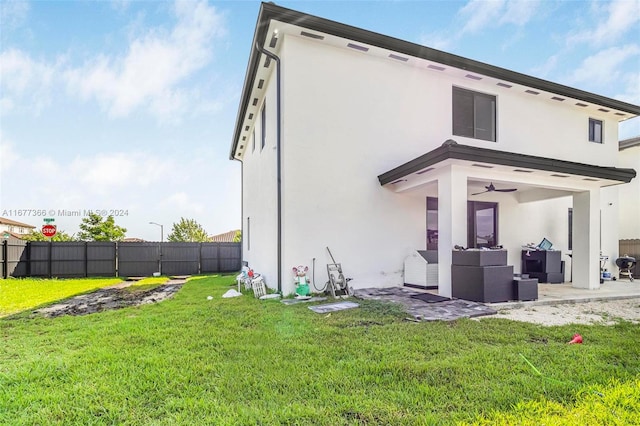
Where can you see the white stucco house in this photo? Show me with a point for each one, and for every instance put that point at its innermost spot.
(374, 147)
(629, 194)
(14, 229)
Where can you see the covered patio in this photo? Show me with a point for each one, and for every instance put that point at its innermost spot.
(453, 172)
(557, 295)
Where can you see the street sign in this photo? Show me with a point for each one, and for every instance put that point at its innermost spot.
(49, 230)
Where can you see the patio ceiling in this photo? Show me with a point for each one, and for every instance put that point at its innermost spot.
(484, 166)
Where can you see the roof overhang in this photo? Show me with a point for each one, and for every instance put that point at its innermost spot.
(629, 143)
(422, 169)
(411, 54)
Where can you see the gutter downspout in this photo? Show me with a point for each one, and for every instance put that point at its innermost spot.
(278, 166)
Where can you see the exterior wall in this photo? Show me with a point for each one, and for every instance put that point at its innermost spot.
(629, 195)
(18, 229)
(348, 117)
(336, 142)
(259, 203)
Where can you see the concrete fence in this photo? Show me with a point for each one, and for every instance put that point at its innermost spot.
(110, 259)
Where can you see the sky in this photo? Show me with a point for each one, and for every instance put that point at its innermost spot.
(128, 107)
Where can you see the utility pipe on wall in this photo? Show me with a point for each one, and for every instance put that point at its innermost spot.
(278, 160)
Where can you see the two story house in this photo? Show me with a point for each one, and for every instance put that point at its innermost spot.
(376, 147)
(15, 229)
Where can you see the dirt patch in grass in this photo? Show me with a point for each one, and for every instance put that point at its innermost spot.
(111, 298)
(602, 312)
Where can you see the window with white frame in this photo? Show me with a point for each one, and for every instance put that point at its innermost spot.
(595, 130)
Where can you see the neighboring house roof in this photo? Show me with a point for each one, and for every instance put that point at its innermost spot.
(14, 235)
(453, 150)
(132, 240)
(5, 221)
(227, 237)
(269, 11)
(628, 143)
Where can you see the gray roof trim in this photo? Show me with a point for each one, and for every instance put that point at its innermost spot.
(270, 11)
(628, 143)
(452, 150)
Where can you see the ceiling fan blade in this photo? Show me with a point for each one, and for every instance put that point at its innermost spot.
(478, 193)
(506, 190)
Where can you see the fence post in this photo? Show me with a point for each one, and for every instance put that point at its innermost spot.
(49, 260)
(5, 264)
(200, 258)
(218, 258)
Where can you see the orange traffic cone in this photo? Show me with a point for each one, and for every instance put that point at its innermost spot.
(576, 339)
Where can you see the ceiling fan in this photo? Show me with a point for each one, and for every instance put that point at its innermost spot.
(492, 188)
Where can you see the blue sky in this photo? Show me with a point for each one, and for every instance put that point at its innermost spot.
(130, 105)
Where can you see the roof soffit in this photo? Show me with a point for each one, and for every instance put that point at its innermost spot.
(337, 34)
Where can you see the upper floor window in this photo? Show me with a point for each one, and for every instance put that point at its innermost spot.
(253, 140)
(595, 130)
(474, 115)
(263, 126)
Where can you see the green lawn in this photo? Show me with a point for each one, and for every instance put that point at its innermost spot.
(192, 361)
(23, 293)
(19, 294)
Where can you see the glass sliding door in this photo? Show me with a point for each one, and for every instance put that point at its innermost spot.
(432, 223)
(482, 224)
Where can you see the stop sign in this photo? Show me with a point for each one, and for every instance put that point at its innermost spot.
(49, 230)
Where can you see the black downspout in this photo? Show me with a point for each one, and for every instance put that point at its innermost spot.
(278, 172)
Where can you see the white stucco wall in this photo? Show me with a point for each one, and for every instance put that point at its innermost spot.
(349, 117)
(259, 238)
(629, 195)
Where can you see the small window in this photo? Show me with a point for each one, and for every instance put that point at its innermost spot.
(474, 115)
(253, 140)
(248, 233)
(570, 245)
(595, 130)
(263, 126)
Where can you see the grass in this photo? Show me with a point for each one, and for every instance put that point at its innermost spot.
(192, 361)
(19, 294)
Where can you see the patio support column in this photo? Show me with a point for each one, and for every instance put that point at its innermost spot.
(452, 222)
(586, 239)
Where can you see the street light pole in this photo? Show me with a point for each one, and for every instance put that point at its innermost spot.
(161, 230)
(160, 245)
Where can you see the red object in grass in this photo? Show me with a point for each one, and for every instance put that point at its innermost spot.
(576, 339)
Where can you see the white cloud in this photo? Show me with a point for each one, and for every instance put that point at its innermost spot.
(13, 13)
(8, 154)
(150, 73)
(547, 67)
(107, 171)
(24, 79)
(613, 20)
(519, 12)
(605, 66)
(480, 14)
(186, 203)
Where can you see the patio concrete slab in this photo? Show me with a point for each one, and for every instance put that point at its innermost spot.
(553, 294)
(419, 310)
